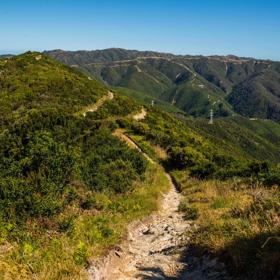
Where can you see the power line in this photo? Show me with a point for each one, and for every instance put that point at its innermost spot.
(211, 116)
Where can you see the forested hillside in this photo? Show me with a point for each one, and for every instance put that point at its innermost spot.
(195, 84)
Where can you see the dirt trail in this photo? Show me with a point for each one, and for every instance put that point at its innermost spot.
(152, 248)
(100, 102)
(120, 134)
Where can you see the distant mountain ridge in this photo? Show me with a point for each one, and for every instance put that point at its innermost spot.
(6, 55)
(195, 84)
(123, 54)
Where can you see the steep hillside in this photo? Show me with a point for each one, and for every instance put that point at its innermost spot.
(34, 81)
(258, 96)
(229, 145)
(195, 84)
(251, 139)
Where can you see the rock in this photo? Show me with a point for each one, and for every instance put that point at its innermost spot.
(168, 228)
(118, 254)
(118, 248)
(147, 231)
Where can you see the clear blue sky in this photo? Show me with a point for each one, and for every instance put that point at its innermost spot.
(241, 27)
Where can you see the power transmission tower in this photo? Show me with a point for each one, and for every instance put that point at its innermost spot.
(211, 116)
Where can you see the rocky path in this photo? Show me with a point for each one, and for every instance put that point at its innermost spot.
(152, 249)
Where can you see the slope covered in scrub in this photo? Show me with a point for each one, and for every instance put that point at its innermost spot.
(57, 166)
(69, 185)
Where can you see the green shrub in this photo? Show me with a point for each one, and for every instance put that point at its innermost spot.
(219, 203)
(66, 224)
(81, 254)
(111, 166)
(271, 177)
(203, 170)
(89, 202)
(190, 212)
(185, 157)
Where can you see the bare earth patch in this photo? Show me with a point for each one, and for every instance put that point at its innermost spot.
(140, 116)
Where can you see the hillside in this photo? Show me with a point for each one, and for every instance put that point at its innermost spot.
(258, 96)
(240, 137)
(195, 84)
(69, 183)
(227, 193)
(56, 160)
(6, 55)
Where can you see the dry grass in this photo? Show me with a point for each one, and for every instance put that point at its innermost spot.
(235, 221)
(160, 152)
(54, 255)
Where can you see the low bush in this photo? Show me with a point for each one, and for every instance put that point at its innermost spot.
(190, 212)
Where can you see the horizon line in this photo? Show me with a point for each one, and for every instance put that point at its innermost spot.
(19, 52)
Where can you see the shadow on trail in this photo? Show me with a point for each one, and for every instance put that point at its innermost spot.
(256, 257)
(197, 267)
(245, 258)
(153, 273)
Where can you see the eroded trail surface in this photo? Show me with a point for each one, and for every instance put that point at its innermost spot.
(152, 249)
(155, 245)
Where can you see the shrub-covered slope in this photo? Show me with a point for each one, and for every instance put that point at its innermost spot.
(46, 145)
(57, 165)
(68, 185)
(229, 147)
(239, 136)
(259, 95)
(35, 81)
